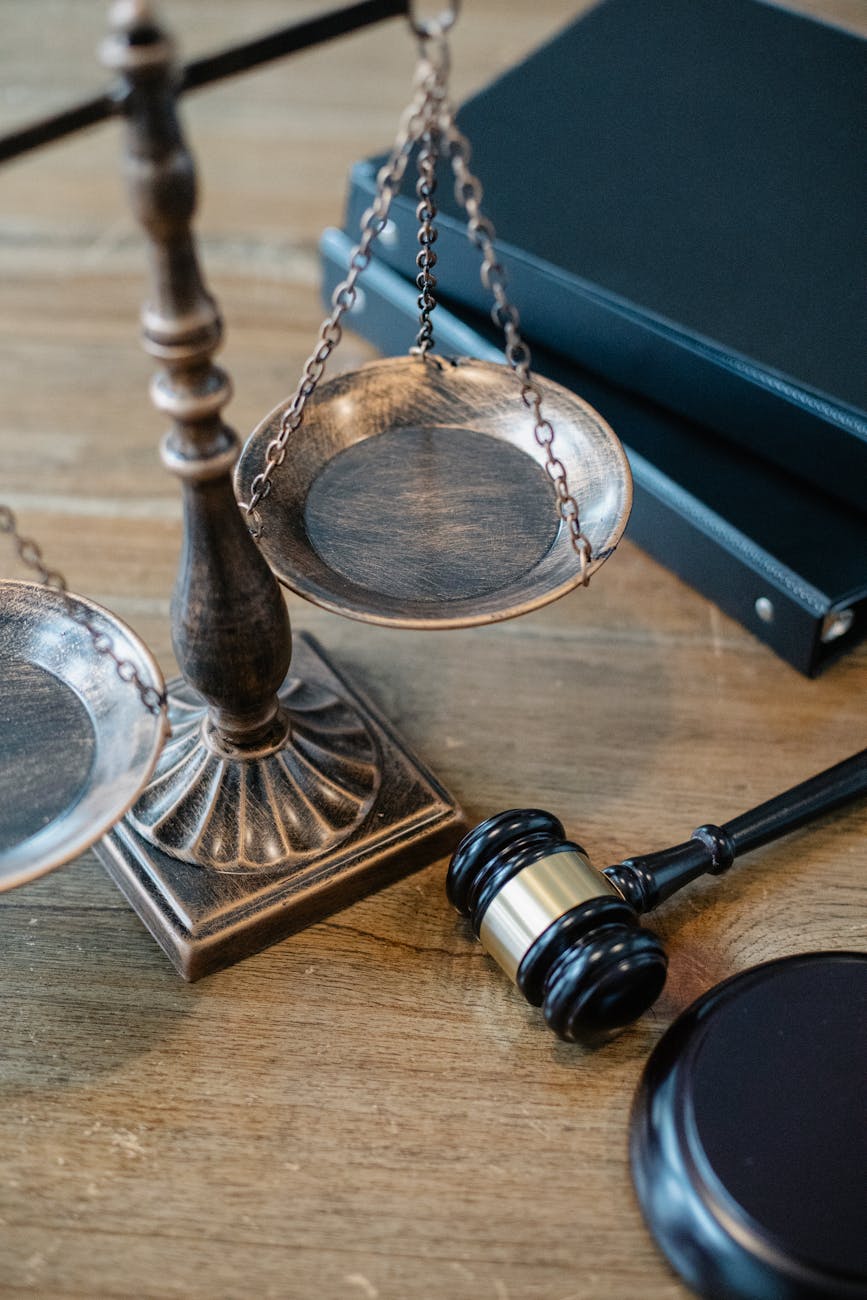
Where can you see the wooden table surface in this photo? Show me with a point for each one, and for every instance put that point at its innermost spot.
(369, 1109)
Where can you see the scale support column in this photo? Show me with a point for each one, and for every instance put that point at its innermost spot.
(278, 798)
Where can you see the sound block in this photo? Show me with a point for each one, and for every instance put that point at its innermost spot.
(206, 918)
(749, 1134)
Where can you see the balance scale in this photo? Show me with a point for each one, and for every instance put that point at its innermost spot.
(253, 796)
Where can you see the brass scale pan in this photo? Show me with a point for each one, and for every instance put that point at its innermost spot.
(415, 495)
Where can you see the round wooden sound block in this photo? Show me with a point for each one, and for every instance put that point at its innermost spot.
(749, 1134)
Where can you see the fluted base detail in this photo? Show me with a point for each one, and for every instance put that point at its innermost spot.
(207, 919)
(206, 806)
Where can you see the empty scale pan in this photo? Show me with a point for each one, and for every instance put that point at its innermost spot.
(78, 747)
(415, 494)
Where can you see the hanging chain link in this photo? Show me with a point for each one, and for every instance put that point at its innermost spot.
(428, 120)
(426, 258)
(438, 26)
(468, 192)
(388, 181)
(30, 554)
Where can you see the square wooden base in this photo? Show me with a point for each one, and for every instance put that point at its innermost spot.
(206, 919)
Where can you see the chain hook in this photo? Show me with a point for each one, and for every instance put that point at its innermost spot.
(431, 28)
(417, 119)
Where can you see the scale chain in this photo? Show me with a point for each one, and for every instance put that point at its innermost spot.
(30, 554)
(415, 121)
(428, 119)
(426, 258)
(468, 192)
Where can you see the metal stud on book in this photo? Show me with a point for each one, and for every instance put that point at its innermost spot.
(423, 491)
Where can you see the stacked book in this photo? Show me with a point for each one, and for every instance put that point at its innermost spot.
(679, 193)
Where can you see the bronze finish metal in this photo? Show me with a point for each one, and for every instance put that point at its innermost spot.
(206, 919)
(256, 810)
(279, 798)
(77, 744)
(434, 480)
(417, 494)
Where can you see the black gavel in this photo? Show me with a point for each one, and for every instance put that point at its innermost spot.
(568, 935)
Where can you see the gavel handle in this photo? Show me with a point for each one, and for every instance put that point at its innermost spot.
(823, 793)
(650, 879)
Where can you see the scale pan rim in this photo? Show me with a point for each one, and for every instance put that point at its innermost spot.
(122, 726)
(579, 430)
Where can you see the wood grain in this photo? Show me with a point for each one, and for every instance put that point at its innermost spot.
(367, 1110)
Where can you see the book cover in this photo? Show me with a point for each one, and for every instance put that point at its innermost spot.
(679, 193)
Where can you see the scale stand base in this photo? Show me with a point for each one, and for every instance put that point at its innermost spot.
(206, 919)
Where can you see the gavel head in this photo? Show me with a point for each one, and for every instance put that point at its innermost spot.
(558, 927)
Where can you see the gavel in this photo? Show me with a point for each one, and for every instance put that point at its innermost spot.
(568, 934)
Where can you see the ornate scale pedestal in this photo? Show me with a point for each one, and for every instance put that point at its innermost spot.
(225, 853)
(282, 794)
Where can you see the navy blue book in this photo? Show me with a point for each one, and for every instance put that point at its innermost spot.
(726, 522)
(679, 188)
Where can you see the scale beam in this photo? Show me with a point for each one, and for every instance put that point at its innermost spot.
(205, 71)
